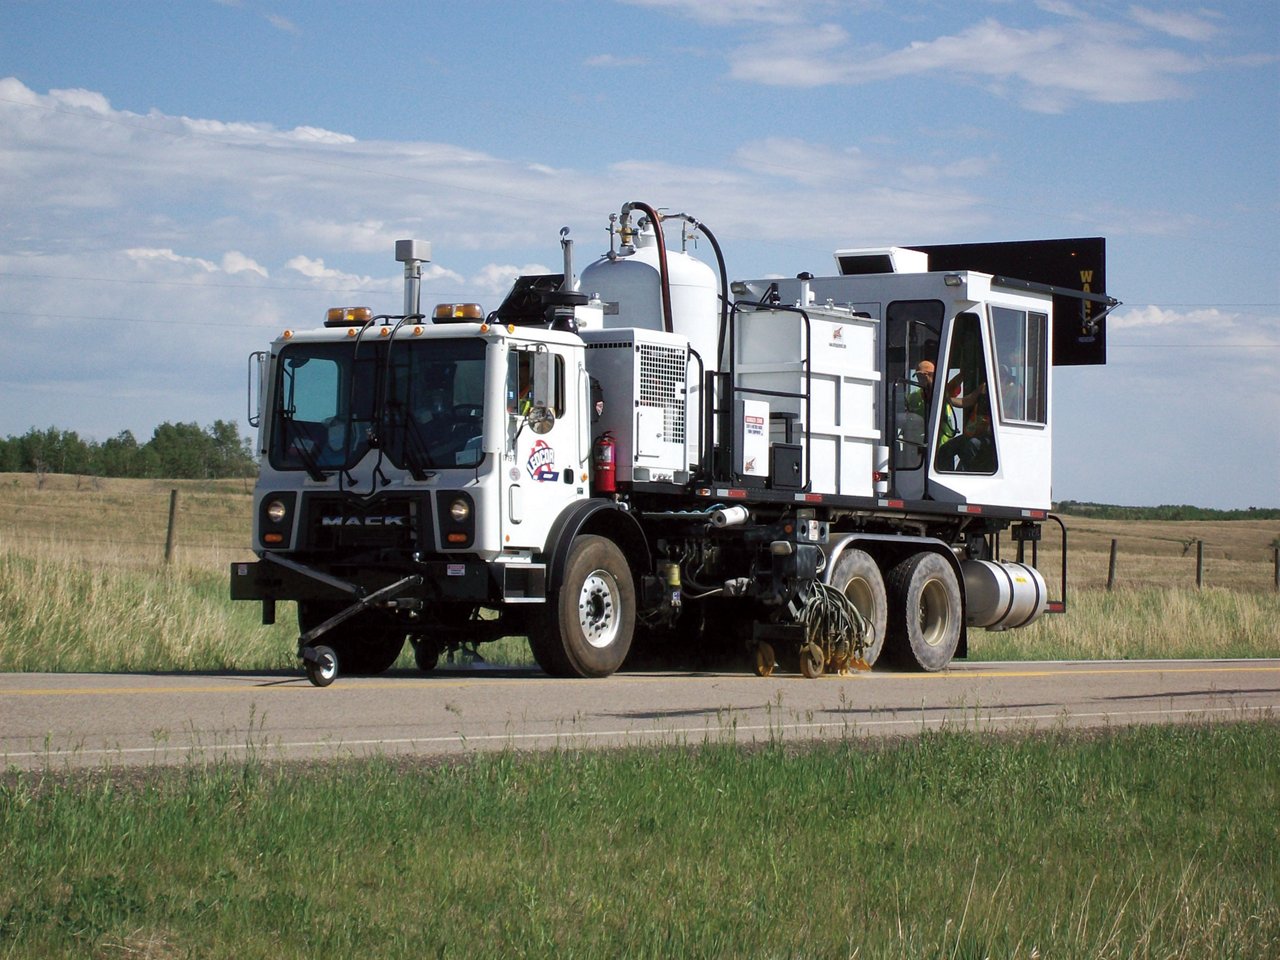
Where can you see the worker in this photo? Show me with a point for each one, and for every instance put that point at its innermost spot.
(919, 401)
(973, 450)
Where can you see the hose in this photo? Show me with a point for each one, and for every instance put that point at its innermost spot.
(830, 617)
(652, 214)
(724, 281)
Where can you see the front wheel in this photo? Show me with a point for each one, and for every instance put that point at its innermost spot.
(924, 628)
(586, 627)
(322, 670)
(366, 644)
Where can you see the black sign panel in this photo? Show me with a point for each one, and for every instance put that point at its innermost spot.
(1080, 263)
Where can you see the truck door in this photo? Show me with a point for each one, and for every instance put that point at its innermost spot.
(545, 460)
(913, 332)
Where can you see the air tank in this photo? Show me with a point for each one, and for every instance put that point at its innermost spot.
(630, 284)
(1003, 595)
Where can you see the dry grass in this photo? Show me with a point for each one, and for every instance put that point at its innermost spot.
(1238, 554)
(83, 585)
(120, 522)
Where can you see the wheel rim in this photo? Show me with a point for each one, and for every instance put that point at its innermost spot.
(322, 670)
(598, 609)
(327, 666)
(935, 613)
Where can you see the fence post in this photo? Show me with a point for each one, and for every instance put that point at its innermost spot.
(173, 515)
(1277, 565)
(1199, 564)
(1111, 568)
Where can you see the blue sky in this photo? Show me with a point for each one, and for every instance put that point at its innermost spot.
(183, 179)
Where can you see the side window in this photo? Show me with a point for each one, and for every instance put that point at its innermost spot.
(966, 440)
(519, 381)
(521, 374)
(1021, 358)
(913, 330)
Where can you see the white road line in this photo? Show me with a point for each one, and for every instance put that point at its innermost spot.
(971, 723)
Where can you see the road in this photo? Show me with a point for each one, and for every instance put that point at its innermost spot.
(63, 721)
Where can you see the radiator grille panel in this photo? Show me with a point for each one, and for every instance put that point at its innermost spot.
(662, 384)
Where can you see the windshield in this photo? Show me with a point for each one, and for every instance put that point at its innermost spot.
(334, 402)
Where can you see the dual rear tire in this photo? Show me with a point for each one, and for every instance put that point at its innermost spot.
(928, 612)
(914, 612)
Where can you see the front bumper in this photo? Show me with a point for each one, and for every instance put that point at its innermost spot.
(453, 580)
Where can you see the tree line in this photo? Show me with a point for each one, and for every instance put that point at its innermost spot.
(176, 451)
(1106, 511)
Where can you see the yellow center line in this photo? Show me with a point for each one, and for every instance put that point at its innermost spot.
(974, 672)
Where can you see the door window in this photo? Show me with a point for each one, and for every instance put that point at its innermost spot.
(966, 440)
(913, 330)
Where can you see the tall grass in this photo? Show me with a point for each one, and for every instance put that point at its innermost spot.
(1143, 843)
(60, 614)
(83, 587)
(1144, 623)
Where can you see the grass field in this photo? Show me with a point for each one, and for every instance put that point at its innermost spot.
(1147, 843)
(83, 585)
(1155, 842)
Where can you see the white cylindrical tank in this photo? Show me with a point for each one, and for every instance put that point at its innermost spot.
(1003, 595)
(631, 287)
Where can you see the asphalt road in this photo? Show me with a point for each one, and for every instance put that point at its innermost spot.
(59, 721)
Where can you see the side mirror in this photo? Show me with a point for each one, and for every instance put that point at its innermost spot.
(540, 419)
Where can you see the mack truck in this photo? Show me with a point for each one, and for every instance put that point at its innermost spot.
(822, 472)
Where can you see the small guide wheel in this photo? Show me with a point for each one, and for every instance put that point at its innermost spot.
(321, 664)
(765, 660)
(812, 660)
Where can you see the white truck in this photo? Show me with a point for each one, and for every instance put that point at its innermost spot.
(816, 471)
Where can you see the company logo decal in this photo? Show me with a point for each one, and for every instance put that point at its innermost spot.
(542, 462)
(837, 338)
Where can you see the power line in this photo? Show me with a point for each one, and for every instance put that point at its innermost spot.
(189, 283)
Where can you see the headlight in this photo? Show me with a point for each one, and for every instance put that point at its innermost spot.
(276, 511)
(459, 510)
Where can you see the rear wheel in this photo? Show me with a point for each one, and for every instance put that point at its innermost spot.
(858, 577)
(585, 628)
(366, 644)
(924, 628)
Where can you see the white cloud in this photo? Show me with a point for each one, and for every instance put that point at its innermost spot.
(1046, 68)
(1203, 326)
(313, 268)
(81, 99)
(494, 280)
(168, 257)
(1185, 26)
(732, 12)
(283, 24)
(233, 261)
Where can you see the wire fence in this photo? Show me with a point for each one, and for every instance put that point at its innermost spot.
(138, 524)
(206, 523)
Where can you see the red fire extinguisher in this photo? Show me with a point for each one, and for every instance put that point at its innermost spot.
(604, 464)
